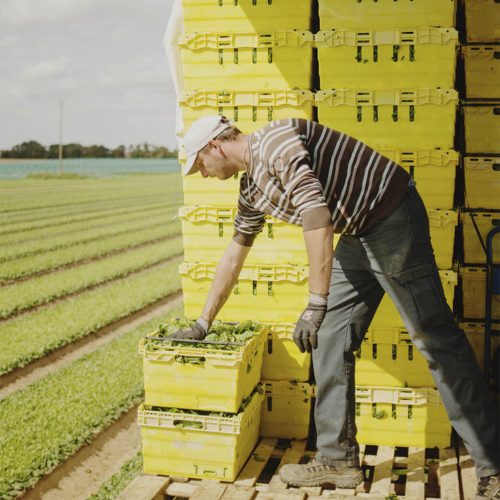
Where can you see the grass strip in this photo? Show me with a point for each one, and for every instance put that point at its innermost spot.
(43, 289)
(90, 250)
(119, 481)
(34, 335)
(121, 226)
(48, 421)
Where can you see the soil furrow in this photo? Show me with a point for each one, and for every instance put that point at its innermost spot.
(83, 473)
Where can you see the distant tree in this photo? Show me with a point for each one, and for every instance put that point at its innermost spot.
(73, 150)
(137, 152)
(96, 151)
(33, 149)
(53, 151)
(163, 152)
(118, 152)
(30, 149)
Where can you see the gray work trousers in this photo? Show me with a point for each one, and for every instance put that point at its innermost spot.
(395, 256)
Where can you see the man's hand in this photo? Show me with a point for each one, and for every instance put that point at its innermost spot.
(306, 329)
(195, 332)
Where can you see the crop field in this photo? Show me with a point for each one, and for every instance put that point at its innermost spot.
(87, 267)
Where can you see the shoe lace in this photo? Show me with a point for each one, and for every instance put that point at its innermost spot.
(489, 487)
(315, 466)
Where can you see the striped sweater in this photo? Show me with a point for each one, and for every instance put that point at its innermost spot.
(305, 173)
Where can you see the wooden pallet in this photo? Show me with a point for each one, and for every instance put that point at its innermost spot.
(395, 473)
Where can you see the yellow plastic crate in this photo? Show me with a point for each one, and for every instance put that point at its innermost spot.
(434, 170)
(282, 358)
(482, 181)
(264, 293)
(357, 14)
(381, 59)
(271, 60)
(473, 294)
(485, 221)
(482, 71)
(387, 357)
(199, 446)
(421, 118)
(387, 315)
(475, 336)
(201, 191)
(245, 15)
(442, 225)
(482, 20)
(170, 380)
(250, 110)
(207, 231)
(286, 409)
(401, 417)
(482, 127)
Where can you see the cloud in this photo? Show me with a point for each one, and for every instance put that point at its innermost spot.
(23, 12)
(8, 42)
(45, 70)
(104, 58)
(20, 12)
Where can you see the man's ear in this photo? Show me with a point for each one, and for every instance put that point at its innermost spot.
(216, 144)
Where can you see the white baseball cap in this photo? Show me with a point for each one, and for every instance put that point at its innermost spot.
(198, 136)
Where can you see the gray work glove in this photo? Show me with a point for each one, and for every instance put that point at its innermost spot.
(195, 332)
(306, 329)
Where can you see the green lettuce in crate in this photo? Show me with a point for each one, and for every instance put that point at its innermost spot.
(222, 336)
(199, 425)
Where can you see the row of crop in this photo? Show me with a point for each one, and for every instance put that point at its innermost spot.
(45, 423)
(26, 294)
(33, 335)
(59, 202)
(94, 249)
(72, 239)
(89, 227)
(38, 228)
(111, 488)
(18, 198)
(45, 216)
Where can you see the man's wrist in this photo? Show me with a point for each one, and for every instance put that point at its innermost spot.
(203, 323)
(318, 299)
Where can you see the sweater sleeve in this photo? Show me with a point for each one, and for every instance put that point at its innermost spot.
(289, 162)
(248, 222)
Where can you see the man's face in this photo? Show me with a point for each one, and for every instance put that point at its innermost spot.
(212, 162)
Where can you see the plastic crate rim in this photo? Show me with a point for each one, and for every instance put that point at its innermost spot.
(165, 353)
(209, 423)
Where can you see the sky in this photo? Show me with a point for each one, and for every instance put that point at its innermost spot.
(103, 58)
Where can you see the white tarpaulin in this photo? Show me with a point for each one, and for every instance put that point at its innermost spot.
(175, 29)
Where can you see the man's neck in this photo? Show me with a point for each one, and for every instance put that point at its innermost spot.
(238, 152)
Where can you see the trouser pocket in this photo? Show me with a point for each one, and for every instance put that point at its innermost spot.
(421, 294)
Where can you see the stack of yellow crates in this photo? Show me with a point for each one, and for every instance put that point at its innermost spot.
(201, 413)
(387, 73)
(256, 69)
(481, 164)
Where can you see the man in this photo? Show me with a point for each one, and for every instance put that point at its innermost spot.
(304, 173)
